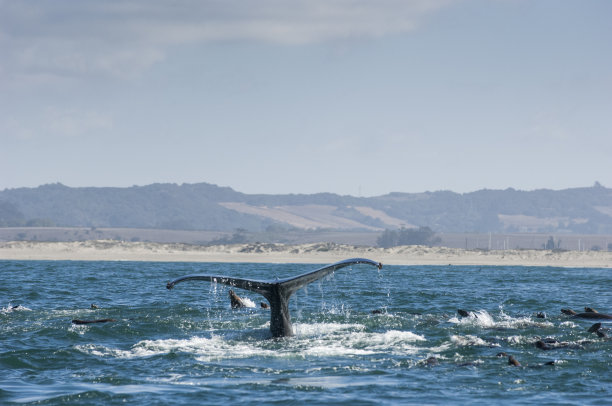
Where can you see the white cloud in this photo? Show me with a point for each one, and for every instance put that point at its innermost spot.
(119, 38)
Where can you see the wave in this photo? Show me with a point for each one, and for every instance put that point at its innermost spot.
(14, 308)
(483, 319)
(471, 341)
(314, 340)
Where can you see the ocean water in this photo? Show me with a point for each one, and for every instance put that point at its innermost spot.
(187, 346)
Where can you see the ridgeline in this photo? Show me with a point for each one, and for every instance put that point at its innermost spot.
(209, 207)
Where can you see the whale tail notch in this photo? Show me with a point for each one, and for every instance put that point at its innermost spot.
(277, 292)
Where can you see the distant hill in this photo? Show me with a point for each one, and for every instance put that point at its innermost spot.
(204, 206)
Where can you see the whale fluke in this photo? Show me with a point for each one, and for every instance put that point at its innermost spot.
(277, 292)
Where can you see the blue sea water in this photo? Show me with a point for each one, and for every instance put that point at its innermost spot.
(187, 346)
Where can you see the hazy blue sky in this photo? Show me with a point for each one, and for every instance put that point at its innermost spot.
(345, 96)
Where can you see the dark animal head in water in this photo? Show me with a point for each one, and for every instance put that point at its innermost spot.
(277, 292)
(542, 345)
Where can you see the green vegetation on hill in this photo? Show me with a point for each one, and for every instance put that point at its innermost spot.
(199, 207)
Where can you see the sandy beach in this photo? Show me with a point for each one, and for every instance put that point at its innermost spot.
(316, 253)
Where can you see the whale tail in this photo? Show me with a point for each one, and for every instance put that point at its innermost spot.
(277, 292)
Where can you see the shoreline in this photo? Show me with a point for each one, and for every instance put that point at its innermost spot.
(314, 253)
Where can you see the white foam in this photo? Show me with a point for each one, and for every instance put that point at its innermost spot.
(470, 341)
(319, 329)
(483, 319)
(337, 340)
(206, 349)
(441, 348)
(10, 308)
(366, 343)
(334, 349)
(521, 322)
(518, 339)
(479, 318)
(247, 302)
(79, 328)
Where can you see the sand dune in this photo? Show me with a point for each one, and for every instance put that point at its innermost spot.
(317, 253)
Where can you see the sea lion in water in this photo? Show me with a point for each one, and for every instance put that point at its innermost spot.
(77, 321)
(278, 291)
(466, 313)
(590, 310)
(512, 361)
(552, 344)
(587, 315)
(543, 345)
(235, 300)
(596, 328)
(264, 305)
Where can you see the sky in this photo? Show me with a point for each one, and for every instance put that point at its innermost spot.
(352, 97)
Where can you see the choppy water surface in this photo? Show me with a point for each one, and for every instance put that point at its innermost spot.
(187, 346)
